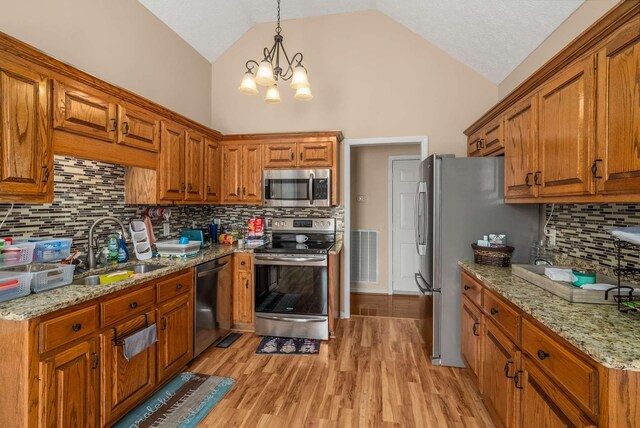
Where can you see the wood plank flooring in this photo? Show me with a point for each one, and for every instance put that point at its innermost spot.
(383, 305)
(375, 373)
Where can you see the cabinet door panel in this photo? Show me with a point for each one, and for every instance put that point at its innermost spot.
(470, 340)
(243, 298)
(493, 139)
(26, 166)
(280, 155)
(172, 179)
(252, 173)
(520, 149)
(212, 167)
(566, 145)
(69, 387)
(139, 129)
(619, 113)
(473, 144)
(318, 153)
(125, 382)
(175, 336)
(543, 404)
(194, 166)
(84, 113)
(232, 173)
(499, 364)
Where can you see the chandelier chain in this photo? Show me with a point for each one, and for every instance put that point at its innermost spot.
(278, 27)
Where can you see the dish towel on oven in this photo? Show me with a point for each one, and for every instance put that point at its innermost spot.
(139, 341)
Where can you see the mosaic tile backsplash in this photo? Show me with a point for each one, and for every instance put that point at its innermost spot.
(582, 231)
(85, 190)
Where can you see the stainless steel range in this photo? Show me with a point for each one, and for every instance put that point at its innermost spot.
(291, 282)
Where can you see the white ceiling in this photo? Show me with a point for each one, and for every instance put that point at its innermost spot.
(490, 36)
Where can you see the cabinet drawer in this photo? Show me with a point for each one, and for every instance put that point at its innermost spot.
(502, 314)
(68, 328)
(472, 289)
(244, 262)
(561, 364)
(125, 306)
(175, 286)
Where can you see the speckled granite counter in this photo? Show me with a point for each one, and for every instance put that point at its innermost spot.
(337, 246)
(35, 305)
(600, 331)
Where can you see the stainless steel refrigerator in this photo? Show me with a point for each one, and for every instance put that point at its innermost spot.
(459, 200)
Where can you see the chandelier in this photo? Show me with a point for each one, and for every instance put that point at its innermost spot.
(269, 71)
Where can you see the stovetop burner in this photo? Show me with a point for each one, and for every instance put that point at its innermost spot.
(319, 232)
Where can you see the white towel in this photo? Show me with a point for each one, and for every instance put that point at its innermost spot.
(139, 341)
(597, 287)
(556, 274)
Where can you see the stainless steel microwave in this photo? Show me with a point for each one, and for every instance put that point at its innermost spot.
(297, 188)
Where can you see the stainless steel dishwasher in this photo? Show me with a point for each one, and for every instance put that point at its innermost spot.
(212, 315)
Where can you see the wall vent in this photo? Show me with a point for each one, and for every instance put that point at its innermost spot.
(364, 256)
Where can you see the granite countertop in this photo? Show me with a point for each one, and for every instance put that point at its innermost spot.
(600, 331)
(337, 246)
(38, 304)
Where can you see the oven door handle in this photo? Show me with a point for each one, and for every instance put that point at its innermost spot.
(300, 320)
(311, 177)
(293, 261)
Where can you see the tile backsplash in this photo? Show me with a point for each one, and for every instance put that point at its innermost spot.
(582, 231)
(85, 190)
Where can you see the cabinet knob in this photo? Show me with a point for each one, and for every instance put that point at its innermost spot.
(76, 327)
(543, 355)
(467, 287)
(133, 305)
(178, 286)
(494, 311)
(243, 263)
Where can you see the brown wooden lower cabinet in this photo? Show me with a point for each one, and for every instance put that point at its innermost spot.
(69, 387)
(535, 378)
(243, 297)
(175, 336)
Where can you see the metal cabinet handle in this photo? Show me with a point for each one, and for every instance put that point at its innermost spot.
(467, 287)
(238, 191)
(45, 178)
(208, 189)
(536, 178)
(291, 155)
(115, 125)
(133, 305)
(164, 323)
(190, 187)
(244, 191)
(543, 355)
(477, 145)
(125, 128)
(95, 362)
(527, 181)
(246, 283)
(482, 146)
(76, 327)
(183, 187)
(506, 369)
(475, 329)
(594, 168)
(300, 155)
(516, 379)
(494, 311)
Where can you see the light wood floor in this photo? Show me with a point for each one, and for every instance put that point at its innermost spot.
(383, 305)
(374, 374)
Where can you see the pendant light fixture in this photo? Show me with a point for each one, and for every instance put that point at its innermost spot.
(269, 71)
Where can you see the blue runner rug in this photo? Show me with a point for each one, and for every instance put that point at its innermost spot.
(183, 402)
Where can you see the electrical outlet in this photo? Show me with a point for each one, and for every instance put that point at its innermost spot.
(166, 230)
(361, 198)
(551, 237)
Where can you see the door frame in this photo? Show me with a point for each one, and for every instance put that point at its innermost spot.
(390, 215)
(345, 172)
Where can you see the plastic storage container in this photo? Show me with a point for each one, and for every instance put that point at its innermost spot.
(14, 285)
(46, 276)
(22, 255)
(176, 249)
(48, 250)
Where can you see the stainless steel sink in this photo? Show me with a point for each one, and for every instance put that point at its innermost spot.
(138, 269)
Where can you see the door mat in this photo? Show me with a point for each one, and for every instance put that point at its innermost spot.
(183, 402)
(288, 346)
(229, 340)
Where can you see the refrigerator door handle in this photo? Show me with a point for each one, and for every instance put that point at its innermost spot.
(421, 192)
(416, 217)
(423, 286)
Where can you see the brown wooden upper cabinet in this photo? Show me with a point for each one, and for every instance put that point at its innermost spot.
(617, 167)
(242, 173)
(298, 154)
(26, 156)
(194, 166)
(138, 128)
(172, 184)
(520, 126)
(488, 141)
(212, 175)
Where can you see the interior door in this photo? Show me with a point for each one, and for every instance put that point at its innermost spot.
(405, 259)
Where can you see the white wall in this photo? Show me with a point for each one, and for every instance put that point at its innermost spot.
(371, 77)
(120, 42)
(583, 17)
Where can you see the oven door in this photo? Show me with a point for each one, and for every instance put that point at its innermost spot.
(297, 188)
(291, 295)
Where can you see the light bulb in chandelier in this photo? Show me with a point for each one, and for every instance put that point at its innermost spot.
(303, 94)
(264, 75)
(299, 78)
(248, 85)
(273, 95)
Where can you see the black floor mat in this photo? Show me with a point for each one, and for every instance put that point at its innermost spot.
(228, 340)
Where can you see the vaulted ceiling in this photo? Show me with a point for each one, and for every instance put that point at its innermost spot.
(490, 36)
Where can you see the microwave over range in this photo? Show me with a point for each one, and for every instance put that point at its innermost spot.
(297, 188)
